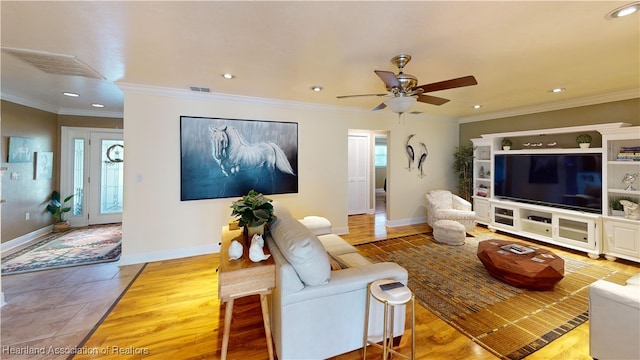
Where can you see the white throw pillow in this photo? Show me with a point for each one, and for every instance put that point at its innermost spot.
(302, 250)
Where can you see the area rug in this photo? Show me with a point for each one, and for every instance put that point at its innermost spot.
(80, 246)
(510, 322)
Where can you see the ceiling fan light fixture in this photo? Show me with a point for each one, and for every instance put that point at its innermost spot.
(624, 11)
(400, 104)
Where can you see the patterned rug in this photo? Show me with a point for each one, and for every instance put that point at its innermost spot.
(510, 322)
(79, 246)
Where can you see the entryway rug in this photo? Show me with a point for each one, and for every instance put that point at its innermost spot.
(510, 322)
(79, 246)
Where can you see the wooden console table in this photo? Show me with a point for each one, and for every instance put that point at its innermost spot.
(243, 277)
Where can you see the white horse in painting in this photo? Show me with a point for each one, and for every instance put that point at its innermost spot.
(233, 153)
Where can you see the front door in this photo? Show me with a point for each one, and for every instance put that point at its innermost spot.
(92, 170)
(106, 178)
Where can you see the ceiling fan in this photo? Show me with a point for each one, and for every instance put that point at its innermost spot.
(403, 89)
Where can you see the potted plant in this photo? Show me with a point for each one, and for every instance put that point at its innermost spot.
(506, 144)
(58, 209)
(584, 140)
(617, 209)
(463, 168)
(253, 211)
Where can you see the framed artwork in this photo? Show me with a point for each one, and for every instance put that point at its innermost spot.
(221, 158)
(20, 149)
(44, 165)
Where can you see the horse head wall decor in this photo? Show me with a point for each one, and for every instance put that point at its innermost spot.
(233, 153)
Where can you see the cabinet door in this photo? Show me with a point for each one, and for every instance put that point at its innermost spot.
(483, 210)
(504, 217)
(622, 238)
(574, 231)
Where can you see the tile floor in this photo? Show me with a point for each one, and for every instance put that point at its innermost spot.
(58, 308)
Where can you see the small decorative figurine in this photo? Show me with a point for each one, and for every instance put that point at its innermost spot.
(256, 251)
(235, 250)
(631, 210)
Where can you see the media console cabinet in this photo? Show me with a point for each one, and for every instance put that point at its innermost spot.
(603, 232)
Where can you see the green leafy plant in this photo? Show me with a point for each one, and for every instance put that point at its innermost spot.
(614, 202)
(583, 139)
(58, 208)
(253, 209)
(507, 142)
(463, 168)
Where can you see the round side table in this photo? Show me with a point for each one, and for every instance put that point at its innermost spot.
(390, 299)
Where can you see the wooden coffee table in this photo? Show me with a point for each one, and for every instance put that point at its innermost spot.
(538, 270)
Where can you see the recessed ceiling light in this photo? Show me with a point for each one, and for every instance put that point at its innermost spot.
(558, 90)
(624, 10)
(70, 94)
(317, 88)
(228, 76)
(96, 105)
(477, 106)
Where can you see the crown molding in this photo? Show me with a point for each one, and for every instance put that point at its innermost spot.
(229, 98)
(242, 99)
(59, 111)
(591, 100)
(29, 103)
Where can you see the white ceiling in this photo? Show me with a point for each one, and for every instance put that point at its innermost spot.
(517, 51)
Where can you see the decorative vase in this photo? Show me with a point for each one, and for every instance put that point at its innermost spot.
(584, 145)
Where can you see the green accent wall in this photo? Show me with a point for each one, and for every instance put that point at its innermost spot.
(627, 111)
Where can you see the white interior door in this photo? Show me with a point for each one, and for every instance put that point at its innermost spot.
(106, 177)
(358, 153)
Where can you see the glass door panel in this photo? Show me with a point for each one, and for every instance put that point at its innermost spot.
(106, 178)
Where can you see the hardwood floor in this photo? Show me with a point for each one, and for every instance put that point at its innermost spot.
(172, 311)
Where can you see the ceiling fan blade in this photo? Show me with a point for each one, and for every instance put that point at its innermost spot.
(389, 78)
(449, 84)
(433, 100)
(348, 96)
(380, 107)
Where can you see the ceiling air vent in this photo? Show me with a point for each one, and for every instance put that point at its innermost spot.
(55, 63)
(199, 89)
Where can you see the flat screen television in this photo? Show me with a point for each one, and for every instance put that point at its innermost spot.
(571, 181)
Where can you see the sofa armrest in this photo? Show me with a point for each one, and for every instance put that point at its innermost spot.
(614, 321)
(347, 280)
(460, 203)
(603, 291)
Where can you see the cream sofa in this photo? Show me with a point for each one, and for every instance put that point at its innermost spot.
(317, 312)
(614, 320)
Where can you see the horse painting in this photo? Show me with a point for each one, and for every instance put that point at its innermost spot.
(234, 154)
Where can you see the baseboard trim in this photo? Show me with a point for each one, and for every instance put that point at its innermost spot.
(405, 222)
(340, 230)
(166, 254)
(23, 241)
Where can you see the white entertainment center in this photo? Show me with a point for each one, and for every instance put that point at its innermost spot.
(596, 232)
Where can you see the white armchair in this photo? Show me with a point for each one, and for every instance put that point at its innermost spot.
(614, 320)
(443, 205)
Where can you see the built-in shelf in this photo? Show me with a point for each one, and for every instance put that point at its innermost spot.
(595, 233)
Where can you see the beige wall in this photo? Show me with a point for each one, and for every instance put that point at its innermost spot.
(157, 225)
(26, 194)
(619, 111)
(29, 194)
